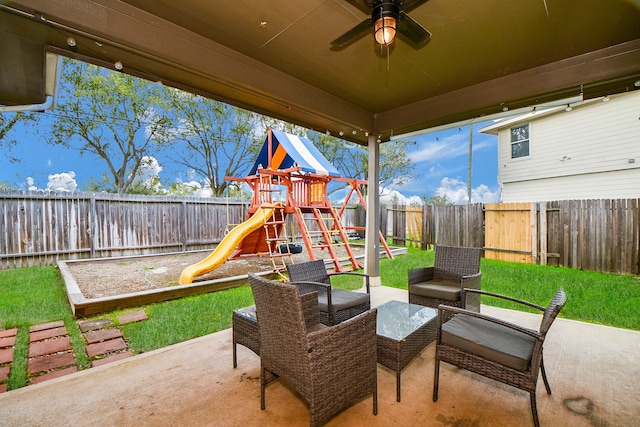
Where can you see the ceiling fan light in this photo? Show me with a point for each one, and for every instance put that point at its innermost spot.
(385, 30)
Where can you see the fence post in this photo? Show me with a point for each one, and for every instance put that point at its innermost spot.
(92, 225)
(183, 226)
(384, 221)
(534, 233)
(543, 233)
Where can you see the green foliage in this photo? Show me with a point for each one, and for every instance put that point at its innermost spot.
(438, 200)
(7, 122)
(114, 117)
(213, 139)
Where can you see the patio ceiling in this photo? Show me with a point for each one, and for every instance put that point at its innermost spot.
(274, 57)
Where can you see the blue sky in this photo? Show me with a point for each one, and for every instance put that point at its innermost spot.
(440, 158)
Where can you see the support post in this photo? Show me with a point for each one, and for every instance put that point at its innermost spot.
(372, 234)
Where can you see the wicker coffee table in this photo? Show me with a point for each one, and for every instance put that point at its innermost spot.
(403, 330)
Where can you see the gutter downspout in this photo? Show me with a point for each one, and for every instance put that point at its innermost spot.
(48, 103)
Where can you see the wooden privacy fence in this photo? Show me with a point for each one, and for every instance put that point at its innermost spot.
(39, 228)
(599, 235)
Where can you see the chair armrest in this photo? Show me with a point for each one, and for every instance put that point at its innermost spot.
(307, 286)
(455, 310)
(418, 275)
(504, 297)
(471, 282)
(349, 343)
(309, 302)
(355, 273)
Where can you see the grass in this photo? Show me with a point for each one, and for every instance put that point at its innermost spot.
(31, 296)
(608, 299)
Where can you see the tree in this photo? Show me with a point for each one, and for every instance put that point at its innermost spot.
(437, 200)
(219, 140)
(7, 122)
(112, 116)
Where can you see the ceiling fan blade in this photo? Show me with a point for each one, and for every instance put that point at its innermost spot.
(409, 5)
(366, 6)
(352, 35)
(414, 32)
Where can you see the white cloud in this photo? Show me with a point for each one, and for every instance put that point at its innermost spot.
(390, 197)
(62, 182)
(446, 148)
(456, 192)
(30, 184)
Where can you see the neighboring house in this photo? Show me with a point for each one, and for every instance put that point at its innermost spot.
(588, 151)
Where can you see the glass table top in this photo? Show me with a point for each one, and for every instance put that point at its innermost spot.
(397, 319)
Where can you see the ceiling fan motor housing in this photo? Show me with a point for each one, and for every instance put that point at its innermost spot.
(385, 9)
(385, 18)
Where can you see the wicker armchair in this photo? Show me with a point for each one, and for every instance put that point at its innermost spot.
(455, 268)
(494, 348)
(335, 305)
(331, 367)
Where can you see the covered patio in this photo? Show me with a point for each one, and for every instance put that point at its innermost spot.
(484, 60)
(592, 369)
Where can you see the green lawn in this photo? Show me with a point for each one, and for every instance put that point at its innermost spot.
(36, 295)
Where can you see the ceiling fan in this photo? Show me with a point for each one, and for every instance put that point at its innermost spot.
(388, 17)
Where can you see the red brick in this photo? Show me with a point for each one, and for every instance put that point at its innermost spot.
(47, 333)
(54, 374)
(105, 347)
(102, 335)
(50, 325)
(53, 361)
(7, 342)
(3, 388)
(9, 333)
(91, 325)
(112, 358)
(4, 373)
(57, 345)
(133, 317)
(6, 356)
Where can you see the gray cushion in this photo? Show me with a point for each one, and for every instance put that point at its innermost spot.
(437, 288)
(489, 340)
(341, 300)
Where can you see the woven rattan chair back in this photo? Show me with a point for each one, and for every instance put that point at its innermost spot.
(459, 260)
(330, 367)
(311, 271)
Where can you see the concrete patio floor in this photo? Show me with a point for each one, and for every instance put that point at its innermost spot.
(593, 370)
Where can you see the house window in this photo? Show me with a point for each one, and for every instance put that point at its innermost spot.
(520, 141)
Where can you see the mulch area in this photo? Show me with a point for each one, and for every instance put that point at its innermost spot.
(50, 352)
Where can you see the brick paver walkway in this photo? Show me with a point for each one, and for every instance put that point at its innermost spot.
(7, 341)
(50, 351)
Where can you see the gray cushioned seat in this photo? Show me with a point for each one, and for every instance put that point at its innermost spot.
(489, 340)
(438, 289)
(341, 300)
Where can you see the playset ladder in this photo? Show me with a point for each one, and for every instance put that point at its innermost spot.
(275, 235)
(330, 234)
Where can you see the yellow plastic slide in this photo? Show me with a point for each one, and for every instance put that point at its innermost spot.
(226, 246)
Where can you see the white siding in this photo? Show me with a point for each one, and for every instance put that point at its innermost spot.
(595, 138)
(623, 184)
